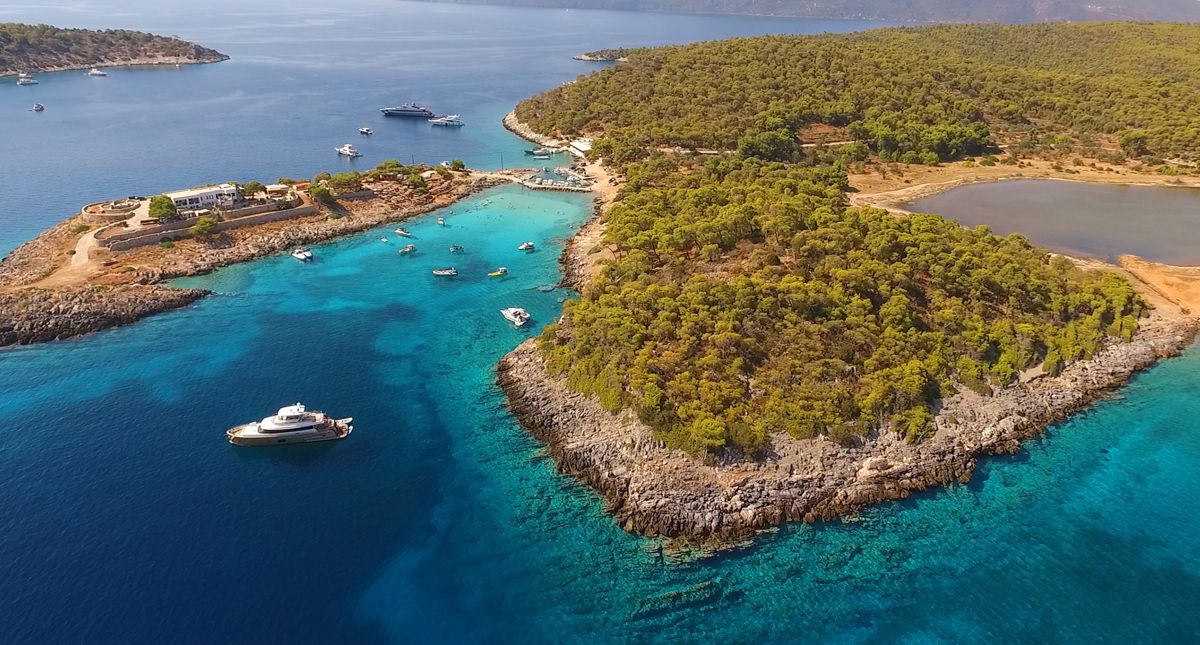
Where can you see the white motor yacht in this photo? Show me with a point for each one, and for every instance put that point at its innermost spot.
(302, 254)
(366, 131)
(441, 221)
(403, 232)
(526, 246)
(96, 71)
(449, 121)
(348, 150)
(447, 272)
(292, 424)
(26, 79)
(516, 316)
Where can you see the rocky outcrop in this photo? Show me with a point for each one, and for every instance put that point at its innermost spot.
(39, 315)
(515, 126)
(659, 492)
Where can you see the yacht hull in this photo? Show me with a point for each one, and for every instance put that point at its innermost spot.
(247, 435)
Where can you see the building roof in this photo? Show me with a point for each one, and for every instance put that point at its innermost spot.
(203, 190)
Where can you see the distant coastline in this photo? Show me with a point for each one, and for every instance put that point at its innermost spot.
(44, 48)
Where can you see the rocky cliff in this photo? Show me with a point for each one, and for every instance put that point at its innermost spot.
(659, 492)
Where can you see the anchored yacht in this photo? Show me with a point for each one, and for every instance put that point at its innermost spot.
(348, 150)
(450, 121)
(408, 109)
(292, 424)
(366, 131)
(26, 79)
(96, 71)
(526, 246)
(302, 254)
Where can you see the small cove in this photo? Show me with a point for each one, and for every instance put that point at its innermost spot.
(1156, 223)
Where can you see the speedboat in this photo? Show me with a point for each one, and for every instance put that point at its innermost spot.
(526, 246)
(348, 150)
(26, 79)
(540, 152)
(403, 232)
(447, 272)
(302, 254)
(292, 424)
(450, 121)
(498, 273)
(96, 71)
(441, 222)
(454, 248)
(515, 315)
(408, 248)
(37, 107)
(366, 131)
(383, 239)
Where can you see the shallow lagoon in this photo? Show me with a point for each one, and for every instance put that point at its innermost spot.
(1157, 223)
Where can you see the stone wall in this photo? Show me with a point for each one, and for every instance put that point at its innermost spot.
(178, 230)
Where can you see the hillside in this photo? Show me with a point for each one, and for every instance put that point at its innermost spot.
(911, 11)
(33, 48)
(940, 90)
(746, 299)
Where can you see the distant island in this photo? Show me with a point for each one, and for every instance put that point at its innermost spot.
(756, 341)
(1011, 11)
(43, 48)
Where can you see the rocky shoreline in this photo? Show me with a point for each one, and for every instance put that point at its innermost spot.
(34, 314)
(659, 492)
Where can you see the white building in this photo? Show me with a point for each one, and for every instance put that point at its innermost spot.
(581, 147)
(222, 196)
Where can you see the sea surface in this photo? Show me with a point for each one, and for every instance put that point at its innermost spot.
(126, 517)
(1160, 224)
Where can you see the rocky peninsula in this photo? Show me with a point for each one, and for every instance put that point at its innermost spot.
(723, 498)
(45, 296)
(42, 48)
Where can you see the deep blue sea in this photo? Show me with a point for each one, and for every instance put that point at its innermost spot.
(126, 517)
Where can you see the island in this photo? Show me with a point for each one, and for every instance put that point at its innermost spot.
(763, 337)
(43, 48)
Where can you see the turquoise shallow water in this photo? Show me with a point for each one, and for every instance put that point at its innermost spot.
(126, 517)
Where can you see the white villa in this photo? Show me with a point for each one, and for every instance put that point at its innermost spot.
(222, 196)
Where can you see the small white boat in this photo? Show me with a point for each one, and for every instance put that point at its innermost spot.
(409, 248)
(366, 131)
(403, 232)
(26, 79)
(441, 222)
(526, 246)
(292, 424)
(454, 248)
(448, 121)
(302, 254)
(383, 239)
(96, 71)
(347, 150)
(447, 272)
(37, 107)
(516, 316)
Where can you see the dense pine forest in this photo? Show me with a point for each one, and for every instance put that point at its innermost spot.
(746, 299)
(31, 48)
(938, 90)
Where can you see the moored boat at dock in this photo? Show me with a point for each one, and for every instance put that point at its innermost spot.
(292, 424)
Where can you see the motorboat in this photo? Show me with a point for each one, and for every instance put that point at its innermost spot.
(449, 121)
(516, 316)
(348, 150)
(441, 221)
(26, 79)
(498, 273)
(383, 239)
(454, 248)
(526, 246)
(541, 157)
(541, 152)
(366, 131)
(445, 273)
(292, 424)
(96, 71)
(37, 107)
(403, 232)
(408, 248)
(302, 254)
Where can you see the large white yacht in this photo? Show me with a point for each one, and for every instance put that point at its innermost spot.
(449, 121)
(292, 424)
(348, 150)
(96, 71)
(516, 316)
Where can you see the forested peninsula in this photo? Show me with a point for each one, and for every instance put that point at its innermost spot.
(889, 10)
(813, 357)
(39, 48)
